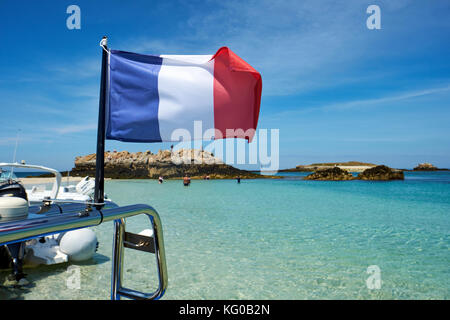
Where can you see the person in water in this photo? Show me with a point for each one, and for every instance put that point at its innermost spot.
(186, 181)
(238, 179)
(160, 180)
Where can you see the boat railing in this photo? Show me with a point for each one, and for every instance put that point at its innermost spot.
(62, 217)
(56, 183)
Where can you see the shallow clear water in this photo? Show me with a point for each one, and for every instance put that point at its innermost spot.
(276, 239)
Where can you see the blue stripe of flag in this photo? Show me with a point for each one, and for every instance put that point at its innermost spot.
(132, 110)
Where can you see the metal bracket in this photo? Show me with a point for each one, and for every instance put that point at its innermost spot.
(139, 242)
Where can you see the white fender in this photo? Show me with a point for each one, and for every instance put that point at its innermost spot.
(79, 244)
(146, 232)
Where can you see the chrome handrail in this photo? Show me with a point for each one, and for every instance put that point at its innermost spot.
(117, 290)
(76, 216)
(116, 278)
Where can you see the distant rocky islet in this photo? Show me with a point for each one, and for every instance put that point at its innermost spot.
(428, 167)
(377, 173)
(352, 166)
(331, 174)
(381, 173)
(341, 171)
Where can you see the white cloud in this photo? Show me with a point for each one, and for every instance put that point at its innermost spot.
(398, 97)
(75, 128)
(367, 103)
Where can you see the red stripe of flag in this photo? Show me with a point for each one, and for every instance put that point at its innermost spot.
(237, 94)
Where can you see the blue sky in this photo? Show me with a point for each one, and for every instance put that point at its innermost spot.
(336, 90)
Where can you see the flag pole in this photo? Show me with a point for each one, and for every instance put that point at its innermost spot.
(99, 193)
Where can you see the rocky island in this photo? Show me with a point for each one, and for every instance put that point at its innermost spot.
(427, 167)
(145, 165)
(381, 173)
(377, 173)
(330, 174)
(351, 166)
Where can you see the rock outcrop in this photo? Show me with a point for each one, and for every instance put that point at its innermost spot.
(332, 174)
(351, 166)
(378, 173)
(381, 173)
(425, 167)
(146, 165)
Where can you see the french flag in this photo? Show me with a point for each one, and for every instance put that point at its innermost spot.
(151, 96)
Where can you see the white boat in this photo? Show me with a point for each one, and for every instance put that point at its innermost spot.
(83, 191)
(76, 245)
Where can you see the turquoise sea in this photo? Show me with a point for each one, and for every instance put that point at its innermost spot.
(276, 239)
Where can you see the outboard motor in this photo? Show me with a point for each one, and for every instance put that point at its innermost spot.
(12, 188)
(13, 205)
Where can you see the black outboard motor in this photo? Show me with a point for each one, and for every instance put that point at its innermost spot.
(12, 188)
(12, 255)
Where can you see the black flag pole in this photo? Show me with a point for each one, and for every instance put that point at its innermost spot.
(99, 194)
